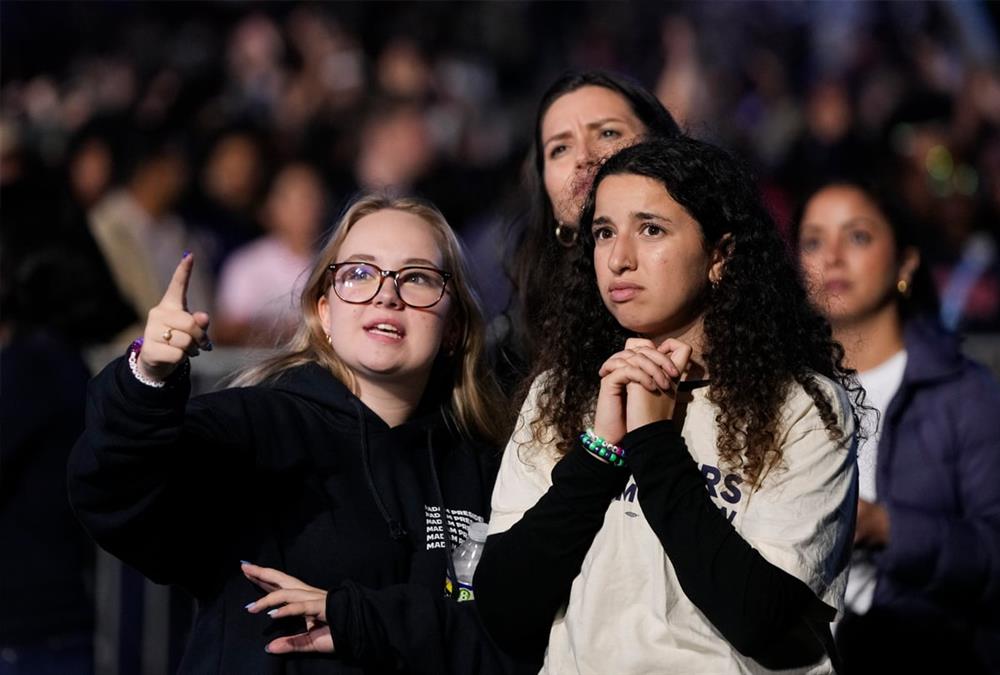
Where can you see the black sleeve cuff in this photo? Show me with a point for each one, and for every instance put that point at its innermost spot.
(342, 617)
(174, 393)
(641, 437)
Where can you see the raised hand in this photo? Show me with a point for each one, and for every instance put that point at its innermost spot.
(644, 406)
(172, 333)
(288, 596)
(641, 365)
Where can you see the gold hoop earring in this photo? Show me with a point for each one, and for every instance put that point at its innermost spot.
(903, 287)
(329, 339)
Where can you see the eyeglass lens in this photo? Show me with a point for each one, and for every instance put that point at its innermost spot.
(417, 286)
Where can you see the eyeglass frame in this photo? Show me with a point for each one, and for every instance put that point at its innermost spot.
(382, 274)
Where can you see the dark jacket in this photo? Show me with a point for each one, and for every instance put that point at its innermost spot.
(938, 475)
(297, 475)
(44, 555)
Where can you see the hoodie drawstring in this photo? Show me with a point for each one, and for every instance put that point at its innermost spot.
(448, 546)
(396, 530)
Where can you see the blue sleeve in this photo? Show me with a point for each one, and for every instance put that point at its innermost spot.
(957, 557)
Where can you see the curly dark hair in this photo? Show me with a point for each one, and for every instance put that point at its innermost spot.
(761, 334)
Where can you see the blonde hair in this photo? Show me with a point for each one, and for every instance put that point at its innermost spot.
(475, 396)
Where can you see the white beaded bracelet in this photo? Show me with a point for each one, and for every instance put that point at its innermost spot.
(133, 364)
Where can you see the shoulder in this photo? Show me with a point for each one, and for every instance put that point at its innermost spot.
(802, 404)
(530, 434)
(526, 466)
(810, 446)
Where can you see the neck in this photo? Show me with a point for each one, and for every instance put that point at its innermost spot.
(872, 339)
(394, 402)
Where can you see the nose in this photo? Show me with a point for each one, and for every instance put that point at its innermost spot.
(585, 155)
(833, 253)
(622, 256)
(387, 295)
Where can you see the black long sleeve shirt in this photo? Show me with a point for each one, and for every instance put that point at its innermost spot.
(755, 605)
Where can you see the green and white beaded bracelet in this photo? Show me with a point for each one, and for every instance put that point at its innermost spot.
(600, 448)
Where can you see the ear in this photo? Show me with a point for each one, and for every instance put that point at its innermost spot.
(909, 261)
(451, 339)
(323, 309)
(717, 260)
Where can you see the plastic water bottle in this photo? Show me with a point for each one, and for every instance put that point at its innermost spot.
(466, 558)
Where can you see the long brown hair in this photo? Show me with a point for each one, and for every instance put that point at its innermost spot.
(474, 394)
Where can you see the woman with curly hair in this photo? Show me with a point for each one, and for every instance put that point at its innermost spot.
(702, 521)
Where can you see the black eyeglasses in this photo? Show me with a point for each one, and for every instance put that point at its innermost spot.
(416, 286)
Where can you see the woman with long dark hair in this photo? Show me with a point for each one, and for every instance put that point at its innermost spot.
(924, 586)
(679, 493)
(583, 118)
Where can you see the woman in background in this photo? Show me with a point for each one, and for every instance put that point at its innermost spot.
(924, 590)
(583, 118)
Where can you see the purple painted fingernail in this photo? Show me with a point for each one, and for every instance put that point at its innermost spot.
(249, 605)
(185, 254)
(272, 613)
(246, 562)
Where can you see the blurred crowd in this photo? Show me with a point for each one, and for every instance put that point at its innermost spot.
(135, 131)
(132, 132)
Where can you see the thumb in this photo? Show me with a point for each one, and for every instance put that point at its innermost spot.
(176, 294)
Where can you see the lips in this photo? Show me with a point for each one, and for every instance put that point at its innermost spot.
(623, 291)
(385, 329)
(836, 286)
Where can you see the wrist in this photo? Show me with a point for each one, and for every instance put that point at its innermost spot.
(609, 453)
(142, 374)
(135, 365)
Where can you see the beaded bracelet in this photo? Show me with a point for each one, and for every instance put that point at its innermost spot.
(133, 364)
(179, 374)
(600, 448)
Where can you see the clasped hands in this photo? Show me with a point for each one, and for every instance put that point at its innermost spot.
(639, 386)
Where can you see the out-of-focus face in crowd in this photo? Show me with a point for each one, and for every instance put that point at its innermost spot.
(295, 204)
(848, 254)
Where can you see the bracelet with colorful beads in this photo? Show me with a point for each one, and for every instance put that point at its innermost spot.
(600, 448)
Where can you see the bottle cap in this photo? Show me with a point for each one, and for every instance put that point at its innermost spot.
(478, 531)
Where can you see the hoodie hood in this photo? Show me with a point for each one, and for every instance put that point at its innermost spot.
(315, 383)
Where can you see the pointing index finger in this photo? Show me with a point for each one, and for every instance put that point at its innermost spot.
(176, 295)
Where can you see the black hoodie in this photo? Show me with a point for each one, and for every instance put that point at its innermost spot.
(301, 476)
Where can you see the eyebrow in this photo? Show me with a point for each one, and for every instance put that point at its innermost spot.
(649, 215)
(590, 125)
(364, 257)
(850, 222)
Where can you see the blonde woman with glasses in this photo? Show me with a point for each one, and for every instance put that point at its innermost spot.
(355, 460)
